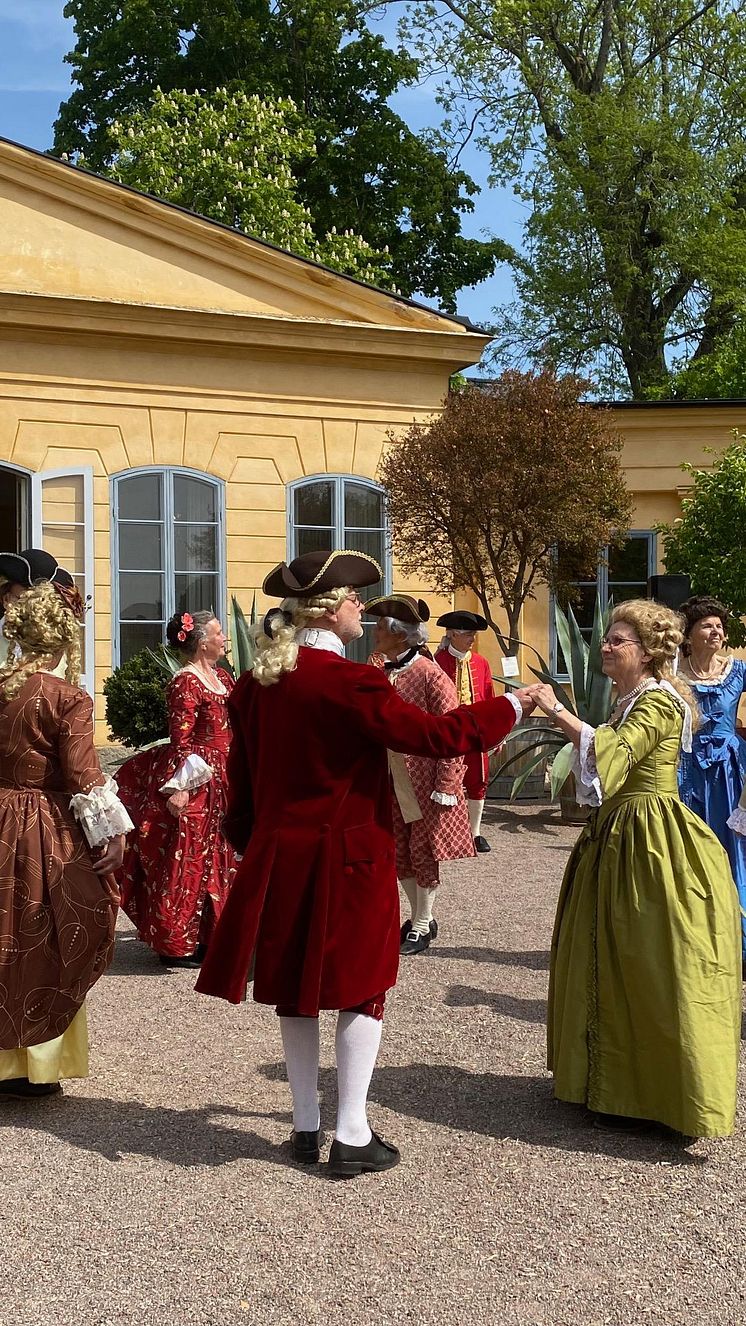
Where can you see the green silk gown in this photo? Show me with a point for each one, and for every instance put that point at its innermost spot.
(644, 1012)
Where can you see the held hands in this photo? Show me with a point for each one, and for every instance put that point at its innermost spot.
(544, 697)
(177, 803)
(525, 698)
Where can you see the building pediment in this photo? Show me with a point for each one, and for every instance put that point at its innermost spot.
(70, 234)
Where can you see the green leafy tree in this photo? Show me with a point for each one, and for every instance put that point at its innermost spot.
(369, 173)
(708, 542)
(481, 497)
(233, 157)
(720, 375)
(621, 126)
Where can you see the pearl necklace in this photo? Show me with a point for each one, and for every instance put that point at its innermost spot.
(706, 676)
(636, 690)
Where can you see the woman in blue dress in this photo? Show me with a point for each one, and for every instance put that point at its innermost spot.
(712, 777)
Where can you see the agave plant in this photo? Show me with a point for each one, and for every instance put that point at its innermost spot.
(589, 697)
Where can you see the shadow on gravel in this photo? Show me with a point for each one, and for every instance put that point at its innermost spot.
(545, 822)
(535, 959)
(116, 1128)
(521, 1108)
(133, 958)
(467, 996)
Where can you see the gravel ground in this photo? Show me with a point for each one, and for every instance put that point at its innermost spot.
(157, 1192)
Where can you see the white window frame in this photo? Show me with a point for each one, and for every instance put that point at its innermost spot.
(88, 678)
(338, 482)
(164, 472)
(602, 586)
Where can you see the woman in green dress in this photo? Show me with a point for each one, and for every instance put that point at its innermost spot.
(645, 985)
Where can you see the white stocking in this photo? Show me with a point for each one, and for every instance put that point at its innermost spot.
(476, 809)
(409, 887)
(357, 1042)
(300, 1039)
(423, 914)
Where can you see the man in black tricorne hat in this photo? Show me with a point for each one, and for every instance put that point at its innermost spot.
(472, 676)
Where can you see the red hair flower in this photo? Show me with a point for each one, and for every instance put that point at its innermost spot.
(187, 626)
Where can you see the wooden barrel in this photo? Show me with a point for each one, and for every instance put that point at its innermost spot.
(500, 785)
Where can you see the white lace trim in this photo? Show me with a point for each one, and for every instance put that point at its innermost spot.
(193, 772)
(737, 821)
(588, 790)
(101, 814)
(517, 706)
(444, 798)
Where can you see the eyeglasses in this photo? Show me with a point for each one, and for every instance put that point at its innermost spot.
(618, 641)
(356, 599)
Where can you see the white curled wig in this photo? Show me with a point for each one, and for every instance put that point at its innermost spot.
(413, 634)
(277, 653)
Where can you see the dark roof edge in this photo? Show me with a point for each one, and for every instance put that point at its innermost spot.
(677, 404)
(463, 322)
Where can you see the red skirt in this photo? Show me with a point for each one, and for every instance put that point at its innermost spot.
(177, 872)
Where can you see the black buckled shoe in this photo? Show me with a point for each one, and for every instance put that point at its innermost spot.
(346, 1162)
(305, 1147)
(481, 844)
(408, 926)
(414, 943)
(192, 960)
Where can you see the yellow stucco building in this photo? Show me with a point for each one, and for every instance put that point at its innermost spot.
(181, 407)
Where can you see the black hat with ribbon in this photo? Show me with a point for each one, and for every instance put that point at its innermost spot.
(402, 607)
(316, 572)
(25, 568)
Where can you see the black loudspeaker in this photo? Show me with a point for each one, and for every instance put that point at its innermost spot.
(671, 591)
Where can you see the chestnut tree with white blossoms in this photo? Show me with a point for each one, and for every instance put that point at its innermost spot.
(235, 158)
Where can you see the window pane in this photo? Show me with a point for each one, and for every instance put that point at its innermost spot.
(373, 545)
(140, 597)
(64, 499)
(359, 651)
(583, 604)
(140, 547)
(197, 593)
(363, 506)
(620, 593)
(195, 547)
(194, 499)
(313, 505)
(134, 637)
(140, 497)
(630, 562)
(313, 540)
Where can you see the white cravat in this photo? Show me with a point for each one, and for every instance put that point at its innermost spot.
(457, 652)
(314, 637)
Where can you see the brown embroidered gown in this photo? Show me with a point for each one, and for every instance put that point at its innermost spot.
(56, 915)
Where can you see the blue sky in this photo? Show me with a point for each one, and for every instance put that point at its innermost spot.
(34, 38)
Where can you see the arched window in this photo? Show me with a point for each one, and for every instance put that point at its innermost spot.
(168, 552)
(341, 511)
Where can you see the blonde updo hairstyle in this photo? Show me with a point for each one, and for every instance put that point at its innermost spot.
(661, 632)
(43, 628)
(278, 654)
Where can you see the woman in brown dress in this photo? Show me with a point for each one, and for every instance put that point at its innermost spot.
(62, 832)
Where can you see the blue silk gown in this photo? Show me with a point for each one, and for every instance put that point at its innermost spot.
(711, 778)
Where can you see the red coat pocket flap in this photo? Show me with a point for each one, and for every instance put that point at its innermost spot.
(364, 842)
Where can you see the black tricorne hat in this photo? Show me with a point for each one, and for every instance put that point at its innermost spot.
(25, 568)
(463, 621)
(400, 606)
(316, 572)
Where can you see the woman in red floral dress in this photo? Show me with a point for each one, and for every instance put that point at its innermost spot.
(178, 867)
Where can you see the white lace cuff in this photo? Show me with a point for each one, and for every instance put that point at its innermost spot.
(588, 791)
(444, 799)
(737, 821)
(517, 706)
(101, 814)
(193, 772)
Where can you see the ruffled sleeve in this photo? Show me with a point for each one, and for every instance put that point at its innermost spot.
(101, 814)
(186, 770)
(588, 789)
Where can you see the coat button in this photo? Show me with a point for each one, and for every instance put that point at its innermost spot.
(348, 870)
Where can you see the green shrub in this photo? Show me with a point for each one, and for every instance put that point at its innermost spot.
(136, 701)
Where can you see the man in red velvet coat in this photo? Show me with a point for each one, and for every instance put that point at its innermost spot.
(472, 676)
(314, 909)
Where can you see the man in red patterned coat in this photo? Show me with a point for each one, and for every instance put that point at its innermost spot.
(431, 822)
(313, 914)
(472, 676)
